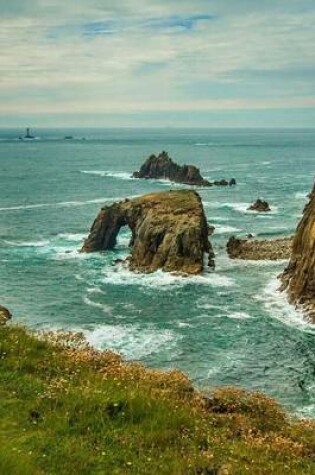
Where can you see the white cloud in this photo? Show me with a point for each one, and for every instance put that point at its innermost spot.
(48, 64)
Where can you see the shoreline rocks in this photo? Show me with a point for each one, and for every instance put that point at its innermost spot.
(5, 315)
(299, 276)
(260, 205)
(163, 167)
(169, 232)
(253, 249)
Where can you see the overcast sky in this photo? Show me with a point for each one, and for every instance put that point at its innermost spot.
(157, 63)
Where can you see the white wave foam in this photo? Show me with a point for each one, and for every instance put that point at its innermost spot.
(132, 341)
(60, 204)
(277, 305)
(225, 229)
(301, 195)
(27, 243)
(108, 173)
(240, 207)
(120, 275)
(102, 306)
(72, 237)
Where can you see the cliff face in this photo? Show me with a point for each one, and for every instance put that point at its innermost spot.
(169, 231)
(299, 276)
(162, 166)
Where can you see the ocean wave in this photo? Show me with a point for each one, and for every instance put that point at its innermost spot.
(277, 305)
(226, 229)
(108, 173)
(131, 341)
(27, 243)
(102, 306)
(72, 237)
(240, 207)
(302, 195)
(160, 280)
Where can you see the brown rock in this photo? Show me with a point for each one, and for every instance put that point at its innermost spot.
(299, 276)
(5, 315)
(169, 231)
(252, 249)
(260, 205)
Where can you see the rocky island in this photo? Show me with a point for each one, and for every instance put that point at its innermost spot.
(299, 276)
(260, 205)
(264, 249)
(169, 232)
(163, 167)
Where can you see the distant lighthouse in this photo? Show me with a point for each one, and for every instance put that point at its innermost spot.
(28, 135)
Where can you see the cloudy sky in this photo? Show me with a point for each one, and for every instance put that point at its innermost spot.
(157, 63)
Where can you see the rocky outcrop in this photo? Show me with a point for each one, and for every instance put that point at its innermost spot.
(260, 205)
(5, 315)
(162, 166)
(169, 232)
(252, 249)
(299, 276)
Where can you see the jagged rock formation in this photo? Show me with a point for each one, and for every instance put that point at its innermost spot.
(162, 166)
(260, 206)
(5, 315)
(299, 276)
(253, 249)
(169, 231)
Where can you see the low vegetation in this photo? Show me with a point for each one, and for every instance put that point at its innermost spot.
(68, 409)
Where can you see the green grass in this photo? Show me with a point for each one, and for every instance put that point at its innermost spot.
(67, 410)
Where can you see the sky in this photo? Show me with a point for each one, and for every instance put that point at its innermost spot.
(148, 63)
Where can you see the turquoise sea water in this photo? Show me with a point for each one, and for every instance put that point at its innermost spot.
(230, 327)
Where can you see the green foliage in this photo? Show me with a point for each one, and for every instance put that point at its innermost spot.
(67, 409)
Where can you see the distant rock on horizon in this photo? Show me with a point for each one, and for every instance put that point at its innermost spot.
(163, 167)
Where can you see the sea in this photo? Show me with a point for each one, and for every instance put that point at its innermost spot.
(230, 327)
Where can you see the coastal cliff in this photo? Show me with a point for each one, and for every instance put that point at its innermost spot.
(162, 166)
(169, 231)
(299, 276)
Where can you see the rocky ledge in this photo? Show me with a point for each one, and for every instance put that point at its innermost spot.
(5, 315)
(162, 166)
(252, 249)
(299, 276)
(260, 205)
(169, 232)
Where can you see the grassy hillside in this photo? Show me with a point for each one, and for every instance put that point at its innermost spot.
(68, 409)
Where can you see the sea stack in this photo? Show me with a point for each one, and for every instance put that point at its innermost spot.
(162, 166)
(5, 315)
(169, 232)
(260, 205)
(299, 276)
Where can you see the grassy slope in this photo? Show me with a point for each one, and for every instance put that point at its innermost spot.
(66, 411)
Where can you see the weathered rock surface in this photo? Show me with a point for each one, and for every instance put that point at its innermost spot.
(5, 315)
(260, 205)
(169, 231)
(252, 249)
(299, 276)
(162, 166)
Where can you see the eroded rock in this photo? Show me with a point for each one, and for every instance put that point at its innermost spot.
(299, 276)
(253, 249)
(169, 231)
